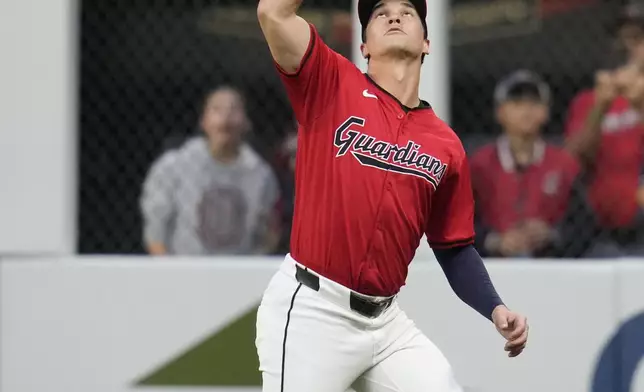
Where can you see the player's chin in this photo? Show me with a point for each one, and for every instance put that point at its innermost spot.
(401, 50)
(396, 42)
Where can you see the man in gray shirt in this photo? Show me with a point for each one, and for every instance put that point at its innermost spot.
(214, 194)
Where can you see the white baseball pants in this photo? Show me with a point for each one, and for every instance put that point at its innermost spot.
(312, 341)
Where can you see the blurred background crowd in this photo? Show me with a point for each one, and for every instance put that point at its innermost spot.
(187, 141)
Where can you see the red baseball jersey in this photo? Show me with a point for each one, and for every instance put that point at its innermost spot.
(507, 196)
(371, 176)
(619, 160)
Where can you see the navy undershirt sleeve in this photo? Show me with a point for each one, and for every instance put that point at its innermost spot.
(468, 277)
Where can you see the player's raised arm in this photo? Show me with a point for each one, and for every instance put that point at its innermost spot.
(287, 34)
(309, 69)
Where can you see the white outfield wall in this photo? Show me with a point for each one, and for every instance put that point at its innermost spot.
(99, 324)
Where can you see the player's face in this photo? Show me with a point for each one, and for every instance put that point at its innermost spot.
(224, 119)
(522, 116)
(395, 30)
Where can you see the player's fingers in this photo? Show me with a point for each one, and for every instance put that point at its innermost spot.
(511, 318)
(517, 337)
(521, 340)
(516, 351)
(515, 348)
(520, 328)
(516, 333)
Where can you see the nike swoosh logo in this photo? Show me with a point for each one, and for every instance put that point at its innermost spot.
(366, 94)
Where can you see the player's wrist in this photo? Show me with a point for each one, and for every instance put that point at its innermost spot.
(499, 308)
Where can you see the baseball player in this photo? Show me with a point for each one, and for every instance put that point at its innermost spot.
(375, 170)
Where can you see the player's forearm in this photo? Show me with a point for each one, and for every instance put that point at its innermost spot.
(468, 277)
(584, 144)
(286, 33)
(277, 8)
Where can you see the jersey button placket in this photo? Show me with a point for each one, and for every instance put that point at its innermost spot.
(401, 128)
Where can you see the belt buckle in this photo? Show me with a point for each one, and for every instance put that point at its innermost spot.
(385, 305)
(367, 307)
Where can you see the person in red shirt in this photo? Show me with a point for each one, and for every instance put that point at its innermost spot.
(522, 184)
(604, 130)
(376, 169)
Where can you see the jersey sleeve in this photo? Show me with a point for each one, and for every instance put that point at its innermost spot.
(451, 222)
(577, 113)
(313, 85)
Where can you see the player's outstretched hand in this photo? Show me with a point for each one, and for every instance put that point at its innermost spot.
(513, 327)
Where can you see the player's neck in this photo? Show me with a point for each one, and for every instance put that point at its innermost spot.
(398, 77)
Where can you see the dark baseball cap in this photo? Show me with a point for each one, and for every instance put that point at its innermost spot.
(521, 84)
(365, 8)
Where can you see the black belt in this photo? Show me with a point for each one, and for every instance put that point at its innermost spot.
(358, 303)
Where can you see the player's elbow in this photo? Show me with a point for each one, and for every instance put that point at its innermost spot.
(264, 10)
(271, 11)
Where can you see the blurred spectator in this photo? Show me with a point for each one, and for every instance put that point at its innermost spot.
(213, 194)
(285, 162)
(604, 129)
(522, 184)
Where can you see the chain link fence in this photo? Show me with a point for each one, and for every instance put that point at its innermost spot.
(147, 66)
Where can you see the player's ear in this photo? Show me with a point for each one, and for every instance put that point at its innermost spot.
(426, 46)
(364, 50)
